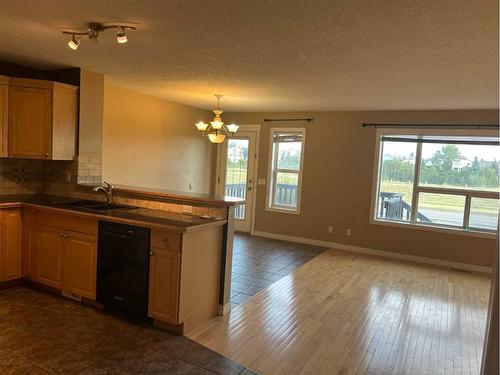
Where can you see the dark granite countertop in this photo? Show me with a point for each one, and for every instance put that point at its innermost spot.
(136, 215)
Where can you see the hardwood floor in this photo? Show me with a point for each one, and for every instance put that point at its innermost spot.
(344, 313)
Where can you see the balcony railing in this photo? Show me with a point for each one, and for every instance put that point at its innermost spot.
(392, 206)
(286, 195)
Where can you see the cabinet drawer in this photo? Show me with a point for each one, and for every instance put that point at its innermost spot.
(68, 222)
(166, 240)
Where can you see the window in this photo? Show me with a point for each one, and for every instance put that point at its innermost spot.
(285, 172)
(448, 181)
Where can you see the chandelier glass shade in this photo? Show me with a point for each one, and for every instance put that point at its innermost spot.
(216, 130)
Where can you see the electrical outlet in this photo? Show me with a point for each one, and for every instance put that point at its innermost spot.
(348, 232)
(330, 229)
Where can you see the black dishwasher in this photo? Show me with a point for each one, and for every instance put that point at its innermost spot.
(123, 268)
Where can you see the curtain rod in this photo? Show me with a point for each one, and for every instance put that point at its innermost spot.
(287, 119)
(431, 126)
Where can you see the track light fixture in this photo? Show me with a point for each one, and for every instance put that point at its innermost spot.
(73, 43)
(94, 28)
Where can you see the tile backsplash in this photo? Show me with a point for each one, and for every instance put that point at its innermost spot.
(21, 176)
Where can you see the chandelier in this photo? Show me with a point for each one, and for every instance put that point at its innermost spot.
(216, 131)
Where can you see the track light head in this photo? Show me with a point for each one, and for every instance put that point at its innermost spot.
(121, 37)
(73, 43)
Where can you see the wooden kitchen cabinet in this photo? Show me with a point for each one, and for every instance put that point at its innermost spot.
(164, 274)
(4, 115)
(43, 118)
(79, 264)
(185, 277)
(10, 245)
(29, 240)
(64, 252)
(48, 260)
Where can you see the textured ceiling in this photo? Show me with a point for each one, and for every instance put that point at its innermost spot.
(266, 55)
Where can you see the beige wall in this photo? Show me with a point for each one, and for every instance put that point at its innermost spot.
(151, 142)
(337, 185)
(91, 112)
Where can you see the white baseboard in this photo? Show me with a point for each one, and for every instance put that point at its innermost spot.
(382, 253)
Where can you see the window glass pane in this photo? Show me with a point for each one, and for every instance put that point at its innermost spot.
(285, 189)
(473, 167)
(484, 213)
(396, 180)
(289, 155)
(445, 209)
(236, 172)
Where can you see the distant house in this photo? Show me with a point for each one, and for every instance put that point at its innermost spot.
(461, 163)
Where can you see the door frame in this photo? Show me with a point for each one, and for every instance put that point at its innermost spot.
(246, 128)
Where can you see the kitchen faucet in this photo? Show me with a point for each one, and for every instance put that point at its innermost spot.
(107, 190)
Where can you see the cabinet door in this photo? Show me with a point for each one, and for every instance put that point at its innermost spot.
(29, 241)
(80, 264)
(4, 116)
(164, 274)
(10, 243)
(48, 256)
(64, 123)
(30, 119)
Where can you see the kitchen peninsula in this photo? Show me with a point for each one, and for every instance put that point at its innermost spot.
(50, 242)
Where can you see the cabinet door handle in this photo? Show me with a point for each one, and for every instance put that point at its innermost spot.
(151, 253)
(46, 155)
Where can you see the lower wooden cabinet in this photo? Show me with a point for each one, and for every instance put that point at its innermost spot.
(164, 275)
(79, 264)
(64, 259)
(48, 264)
(10, 245)
(184, 276)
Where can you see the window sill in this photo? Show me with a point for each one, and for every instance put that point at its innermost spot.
(429, 228)
(283, 210)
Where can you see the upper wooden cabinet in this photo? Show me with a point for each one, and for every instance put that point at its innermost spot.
(4, 115)
(10, 245)
(43, 117)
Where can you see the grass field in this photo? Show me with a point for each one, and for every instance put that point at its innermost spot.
(239, 176)
(443, 202)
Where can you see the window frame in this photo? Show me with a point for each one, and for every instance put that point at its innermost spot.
(272, 173)
(416, 189)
